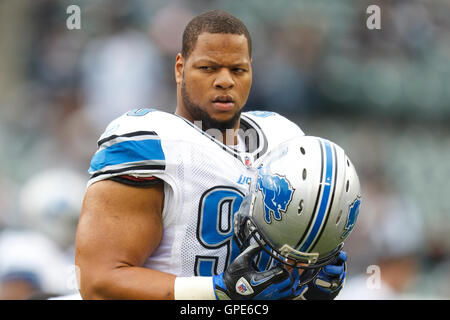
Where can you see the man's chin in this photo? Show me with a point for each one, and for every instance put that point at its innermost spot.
(221, 121)
(223, 116)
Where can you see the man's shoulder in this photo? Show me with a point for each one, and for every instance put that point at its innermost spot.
(134, 145)
(143, 121)
(266, 116)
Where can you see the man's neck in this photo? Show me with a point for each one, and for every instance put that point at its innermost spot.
(228, 137)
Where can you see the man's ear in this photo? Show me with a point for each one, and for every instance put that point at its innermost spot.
(179, 68)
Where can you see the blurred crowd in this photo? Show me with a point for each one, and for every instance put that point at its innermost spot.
(383, 95)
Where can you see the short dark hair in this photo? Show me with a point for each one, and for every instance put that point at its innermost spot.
(215, 21)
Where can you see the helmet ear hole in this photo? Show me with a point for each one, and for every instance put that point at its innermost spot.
(304, 174)
(339, 217)
(347, 185)
(300, 207)
(302, 150)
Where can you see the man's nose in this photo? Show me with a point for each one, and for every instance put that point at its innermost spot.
(224, 79)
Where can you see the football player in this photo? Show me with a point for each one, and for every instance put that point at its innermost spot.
(158, 214)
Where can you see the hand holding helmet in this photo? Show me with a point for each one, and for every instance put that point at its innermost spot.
(242, 281)
(329, 281)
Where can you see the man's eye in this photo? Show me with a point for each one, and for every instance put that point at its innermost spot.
(239, 70)
(206, 68)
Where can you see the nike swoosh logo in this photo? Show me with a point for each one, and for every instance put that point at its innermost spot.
(255, 282)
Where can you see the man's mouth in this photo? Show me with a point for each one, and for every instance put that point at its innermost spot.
(223, 103)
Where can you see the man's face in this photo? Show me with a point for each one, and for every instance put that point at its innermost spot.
(215, 80)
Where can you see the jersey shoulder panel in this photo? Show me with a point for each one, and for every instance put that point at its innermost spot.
(142, 120)
(133, 144)
(276, 127)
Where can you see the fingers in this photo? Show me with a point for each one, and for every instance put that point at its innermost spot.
(338, 267)
(252, 249)
(342, 257)
(298, 294)
(295, 275)
(334, 271)
(246, 256)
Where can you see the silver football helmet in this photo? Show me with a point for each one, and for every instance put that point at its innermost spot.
(303, 203)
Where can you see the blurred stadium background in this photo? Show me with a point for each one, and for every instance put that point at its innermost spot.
(383, 95)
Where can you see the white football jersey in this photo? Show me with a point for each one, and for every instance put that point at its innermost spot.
(204, 179)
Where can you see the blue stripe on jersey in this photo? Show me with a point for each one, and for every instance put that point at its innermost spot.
(127, 151)
(327, 184)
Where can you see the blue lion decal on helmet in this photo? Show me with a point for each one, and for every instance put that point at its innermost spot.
(353, 213)
(277, 194)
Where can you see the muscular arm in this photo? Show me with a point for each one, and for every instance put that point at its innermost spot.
(119, 227)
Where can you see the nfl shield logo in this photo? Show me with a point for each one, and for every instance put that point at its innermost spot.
(242, 288)
(247, 161)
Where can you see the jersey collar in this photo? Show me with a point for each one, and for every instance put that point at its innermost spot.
(254, 137)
